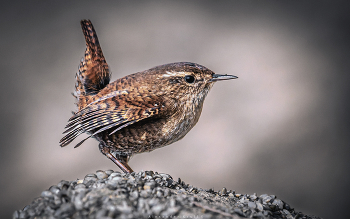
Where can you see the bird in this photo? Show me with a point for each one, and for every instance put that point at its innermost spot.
(139, 112)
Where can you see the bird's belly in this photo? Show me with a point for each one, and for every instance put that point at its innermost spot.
(145, 136)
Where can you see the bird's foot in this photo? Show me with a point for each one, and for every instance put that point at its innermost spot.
(120, 161)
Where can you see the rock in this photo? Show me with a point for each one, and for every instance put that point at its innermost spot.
(148, 194)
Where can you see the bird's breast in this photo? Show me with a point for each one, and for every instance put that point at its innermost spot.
(149, 134)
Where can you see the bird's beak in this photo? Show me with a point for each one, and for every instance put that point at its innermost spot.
(217, 77)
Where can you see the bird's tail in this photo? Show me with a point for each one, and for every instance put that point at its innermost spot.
(93, 74)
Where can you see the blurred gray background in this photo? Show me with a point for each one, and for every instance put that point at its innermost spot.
(282, 128)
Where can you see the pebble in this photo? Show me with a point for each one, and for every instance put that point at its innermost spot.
(47, 194)
(253, 197)
(114, 174)
(157, 209)
(251, 205)
(80, 187)
(223, 191)
(278, 203)
(101, 174)
(149, 185)
(63, 185)
(54, 189)
(109, 172)
(259, 206)
(89, 177)
(266, 199)
(148, 194)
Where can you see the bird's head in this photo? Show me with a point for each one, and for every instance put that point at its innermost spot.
(185, 81)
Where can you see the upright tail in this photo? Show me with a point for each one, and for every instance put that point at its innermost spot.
(93, 74)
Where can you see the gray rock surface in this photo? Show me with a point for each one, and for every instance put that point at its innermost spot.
(109, 194)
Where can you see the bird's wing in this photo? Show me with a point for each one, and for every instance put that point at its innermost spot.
(111, 112)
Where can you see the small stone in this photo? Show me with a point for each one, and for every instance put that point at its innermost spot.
(102, 213)
(114, 174)
(124, 208)
(159, 194)
(101, 174)
(259, 206)
(172, 202)
(149, 185)
(158, 180)
(141, 203)
(90, 177)
(120, 191)
(223, 191)
(15, 214)
(78, 203)
(258, 215)
(99, 184)
(287, 206)
(46, 194)
(112, 184)
(253, 197)
(181, 191)
(169, 183)
(266, 207)
(117, 178)
(148, 177)
(153, 202)
(66, 208)
(278, 203)
(134, 194)
(54, 189)
(89, 183)
(169, 212)
(109, 172)
(263, 196)
(179, 180)
(251, 205)
(63, 185)
(267, 213)
(145, 193)
(149, 173)
(289, 216)
(23, 214)
(286, 211)
(239, 212)
(57, 201)
(80, 187)
(40, 208)
(131, 180)
(165, 176)
(267, 199)
(142, 173)
(157, 209)
(210, 190)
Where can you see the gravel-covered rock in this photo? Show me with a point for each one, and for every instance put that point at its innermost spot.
(109, 194)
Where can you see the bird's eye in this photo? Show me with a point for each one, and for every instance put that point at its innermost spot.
(189, 79)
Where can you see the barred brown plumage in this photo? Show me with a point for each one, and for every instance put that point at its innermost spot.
(139, 112)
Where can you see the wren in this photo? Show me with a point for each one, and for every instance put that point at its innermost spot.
(139, 112)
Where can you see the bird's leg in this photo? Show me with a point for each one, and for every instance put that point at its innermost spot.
(121, 162)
